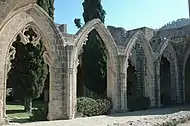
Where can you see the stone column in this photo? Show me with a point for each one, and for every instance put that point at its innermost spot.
(123, 81)
(71, 82)
(57, 93)
(3, 118)
(113, 87)
(181, 88)
(157, 82)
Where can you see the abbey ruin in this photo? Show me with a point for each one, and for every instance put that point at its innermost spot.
(160, 57)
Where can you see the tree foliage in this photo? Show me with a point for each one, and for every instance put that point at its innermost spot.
(28, 69)
(48, 6)
(94, 58)
(77, 22)
(93, 9)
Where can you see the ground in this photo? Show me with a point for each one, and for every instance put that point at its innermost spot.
(16, 113)
(114, 118)
(184, 124)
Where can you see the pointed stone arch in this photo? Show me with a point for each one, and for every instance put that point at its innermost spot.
(169, 53)
(81, 37)
(162, 46)
(53, 41)
(150, 87)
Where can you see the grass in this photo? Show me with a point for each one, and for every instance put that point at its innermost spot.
(16, 113)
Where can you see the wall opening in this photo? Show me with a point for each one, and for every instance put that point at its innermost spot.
(131, 80)
(165, 82)
(93, 84)
(25, 58)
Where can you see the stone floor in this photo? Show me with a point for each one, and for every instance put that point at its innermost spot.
(111, 119)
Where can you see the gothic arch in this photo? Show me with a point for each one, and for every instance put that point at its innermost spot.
(105, 35)
(162, 47)
(81, 37)
(168, 51)
(144, 43)
(33, 14)
(139, 36)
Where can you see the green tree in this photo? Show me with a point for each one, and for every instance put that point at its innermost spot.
(48, 6)
(35, 74)
(94, 55)
(77, 22)
(28, 71)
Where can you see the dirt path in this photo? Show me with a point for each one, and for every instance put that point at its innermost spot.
(111, 119)
(184, 124)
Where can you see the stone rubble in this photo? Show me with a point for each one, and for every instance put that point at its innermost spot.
(176, 118)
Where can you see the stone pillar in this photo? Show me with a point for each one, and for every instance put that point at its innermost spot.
(71, 82)
(57, 93)
(181, 88)
(123, 81)
(113, 87)
(157, 82)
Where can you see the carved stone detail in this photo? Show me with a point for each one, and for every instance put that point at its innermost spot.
(30, 34)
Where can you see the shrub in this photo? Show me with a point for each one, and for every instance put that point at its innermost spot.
(92, 107)
(87, 106)
(39, 114)
(136, 103)
(104, 106)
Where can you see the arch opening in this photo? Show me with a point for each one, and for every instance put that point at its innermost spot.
(131, 80)
(137, 79)
(165, 82)
(33, 15)
(108, 88)
(26, 61)
(94, 85)
(144, 66)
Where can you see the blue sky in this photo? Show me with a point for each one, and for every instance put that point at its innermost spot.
(128, 14)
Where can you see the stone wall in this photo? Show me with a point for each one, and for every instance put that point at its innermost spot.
(63, 50)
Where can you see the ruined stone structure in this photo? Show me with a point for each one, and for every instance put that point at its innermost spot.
(148, 50)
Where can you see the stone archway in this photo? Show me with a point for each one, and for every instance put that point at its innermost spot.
(169, 53)
(33, 14)
(149, 86)
(81, 37)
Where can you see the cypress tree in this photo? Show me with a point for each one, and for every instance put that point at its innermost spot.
(48, 6)
(94, 59)
(28, 71)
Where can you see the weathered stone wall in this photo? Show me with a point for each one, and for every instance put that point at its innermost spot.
(148, 45)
